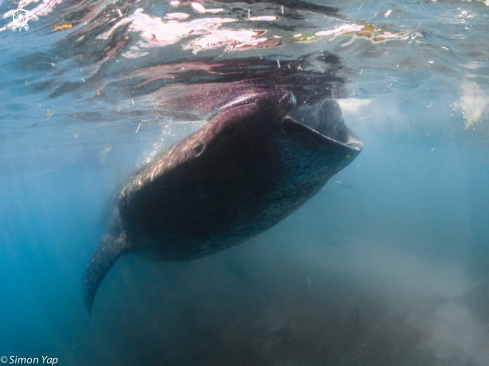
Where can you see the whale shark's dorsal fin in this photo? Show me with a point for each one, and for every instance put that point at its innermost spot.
(109, 250)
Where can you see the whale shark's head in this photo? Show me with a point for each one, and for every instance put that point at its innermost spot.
(251, 111)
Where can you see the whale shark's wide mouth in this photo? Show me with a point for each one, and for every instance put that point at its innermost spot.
(326, 118)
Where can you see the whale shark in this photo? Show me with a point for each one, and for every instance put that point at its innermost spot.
(249, 167)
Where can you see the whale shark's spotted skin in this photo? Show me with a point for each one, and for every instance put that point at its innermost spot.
(243, 172)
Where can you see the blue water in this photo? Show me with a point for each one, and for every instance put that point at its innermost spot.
(386, 267)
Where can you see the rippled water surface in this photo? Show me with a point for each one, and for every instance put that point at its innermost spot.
(386, 265)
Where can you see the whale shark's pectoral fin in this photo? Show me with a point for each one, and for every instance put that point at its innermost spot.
(109, 249)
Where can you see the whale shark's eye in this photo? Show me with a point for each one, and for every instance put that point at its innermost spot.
(198, 149)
